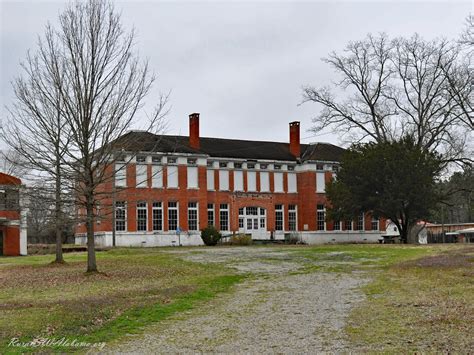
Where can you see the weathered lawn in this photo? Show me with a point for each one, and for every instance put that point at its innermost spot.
(420, 298)
(135, 287)
(423, 305)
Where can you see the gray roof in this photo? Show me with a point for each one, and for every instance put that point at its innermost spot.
(226, 148)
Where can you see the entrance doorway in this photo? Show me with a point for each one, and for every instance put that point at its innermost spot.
(1, 242)
(253, 220)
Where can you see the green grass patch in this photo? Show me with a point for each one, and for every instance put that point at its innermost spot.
(135, 287)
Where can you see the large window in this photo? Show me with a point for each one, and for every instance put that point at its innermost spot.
(278, 182)
(279, 221)
(141, 216)
(210, 180)
(157, 216)
(264, 182)
(172, 176)
(141, 175)
(238, 180)
(320, 182)
(193, 216)
(348, 225)
(375, 224)
(210, 214)
(172, 216)
(337, 225)
(251, 181)
(321, 217)
(224, 180)
(292, 217)
(120, 175)
(192, 177)
(120, 216)
(360, 222)
(157, 176)
(292, 182)
(224, 217)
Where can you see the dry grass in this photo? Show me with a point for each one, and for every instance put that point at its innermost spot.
(422, 305)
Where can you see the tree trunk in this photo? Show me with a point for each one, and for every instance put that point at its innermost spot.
(91, 260)
(57, 216)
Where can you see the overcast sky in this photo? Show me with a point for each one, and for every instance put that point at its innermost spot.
(240, 64)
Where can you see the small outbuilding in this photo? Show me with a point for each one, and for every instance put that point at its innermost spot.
(12, 217)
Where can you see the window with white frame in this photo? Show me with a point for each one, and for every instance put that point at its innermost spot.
(192, 177)
(251, 181)
(224, 217)
(172, 176)
(375, 224)
(157, 176)
(172, 216)
(141, 159)
(320, 182)
(337, 225)
(292, 182)
(238, 180)
(141, 175)
(193, 224)
(210, 180)
(264, 182)
(120, 216)
(121, 175)
(141, 216)
(321, 217)
(292, 217)
(210, 214)
(360, 222)
(279, 220)
(263, 219)
(278, 182)
(224, 180)
(348, 225)
(157, 216)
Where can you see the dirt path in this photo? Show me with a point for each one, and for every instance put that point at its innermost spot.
(275, 312)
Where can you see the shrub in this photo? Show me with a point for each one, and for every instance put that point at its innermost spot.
(210, 235)
(241, 239)
(293, 238)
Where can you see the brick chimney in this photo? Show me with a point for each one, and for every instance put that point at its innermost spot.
(194, 130)
(295, 138)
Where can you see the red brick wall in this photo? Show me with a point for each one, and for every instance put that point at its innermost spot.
(306, 200)
(11, 240)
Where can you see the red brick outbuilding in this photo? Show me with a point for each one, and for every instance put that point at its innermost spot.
(12, 226)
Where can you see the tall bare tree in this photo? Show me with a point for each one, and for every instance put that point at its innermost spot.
(80, 93)
(396, 88)
(102, 85)
(35, 129)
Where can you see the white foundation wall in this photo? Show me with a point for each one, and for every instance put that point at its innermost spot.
(142, 239)
(132, 239)
(313, 238)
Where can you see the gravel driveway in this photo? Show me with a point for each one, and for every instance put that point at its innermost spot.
(274, 312)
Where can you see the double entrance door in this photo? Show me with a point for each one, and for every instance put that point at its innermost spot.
(253, 220)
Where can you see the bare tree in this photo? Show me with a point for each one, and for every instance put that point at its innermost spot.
(35, 129)
(102, 84)
(10, 163)
(467, 37)
(396, 88)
